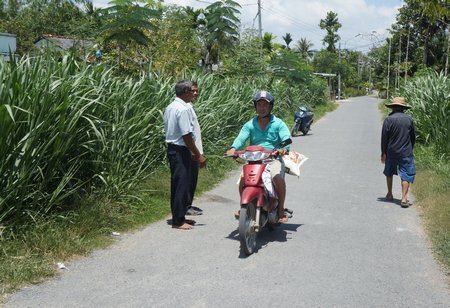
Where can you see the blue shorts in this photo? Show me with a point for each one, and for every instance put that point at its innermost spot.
(403, 166)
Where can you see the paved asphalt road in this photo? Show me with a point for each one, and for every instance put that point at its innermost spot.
(343, 248)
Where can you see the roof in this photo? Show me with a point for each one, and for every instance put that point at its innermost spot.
(61, 42)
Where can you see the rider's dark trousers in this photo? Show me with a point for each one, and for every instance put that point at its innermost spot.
(180, 169)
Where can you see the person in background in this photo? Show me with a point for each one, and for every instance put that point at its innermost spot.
(397, 144)
(179, 125)
(193, 210)
(267, 131)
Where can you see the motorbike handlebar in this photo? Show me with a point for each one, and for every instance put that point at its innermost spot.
(272, 153)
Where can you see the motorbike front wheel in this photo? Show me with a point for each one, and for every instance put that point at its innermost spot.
(294, 130)
(247, 232)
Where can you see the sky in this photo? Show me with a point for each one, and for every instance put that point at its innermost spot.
(364, 22)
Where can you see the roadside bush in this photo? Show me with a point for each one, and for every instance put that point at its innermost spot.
(430, 97)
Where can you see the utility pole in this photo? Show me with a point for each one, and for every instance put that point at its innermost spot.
(339, 73)
(448, 49)
(388, 68)
(259, 19)
(406, 57)
(359, 70)
(397, 79)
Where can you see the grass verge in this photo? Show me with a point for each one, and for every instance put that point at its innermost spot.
(432, 193)
(32, 256)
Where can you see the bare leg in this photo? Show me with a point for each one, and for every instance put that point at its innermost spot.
(280, 187)
(389, 180)
(241, 188)
(405, 188)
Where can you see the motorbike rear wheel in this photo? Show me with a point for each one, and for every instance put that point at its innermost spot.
(294, 130)
(247, 231)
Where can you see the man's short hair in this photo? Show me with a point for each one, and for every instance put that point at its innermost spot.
(183, 86)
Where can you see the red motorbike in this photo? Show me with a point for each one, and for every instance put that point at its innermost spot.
(258, 205)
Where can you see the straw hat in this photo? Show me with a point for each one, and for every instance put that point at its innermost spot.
(398, 101)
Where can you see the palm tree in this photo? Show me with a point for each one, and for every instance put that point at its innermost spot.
(267, 41)
(303, 47)
(287, 39)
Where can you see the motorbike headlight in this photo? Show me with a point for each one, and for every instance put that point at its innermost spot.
(254, 156)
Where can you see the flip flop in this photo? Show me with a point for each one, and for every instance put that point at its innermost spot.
(190, 221)
(405, 204)
(389, 198)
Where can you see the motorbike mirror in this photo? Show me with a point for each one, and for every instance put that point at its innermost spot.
(285, 142)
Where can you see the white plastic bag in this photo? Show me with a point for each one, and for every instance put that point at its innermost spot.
(293, 161)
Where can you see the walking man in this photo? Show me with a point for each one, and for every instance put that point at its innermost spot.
(179, 125)
(397, 144)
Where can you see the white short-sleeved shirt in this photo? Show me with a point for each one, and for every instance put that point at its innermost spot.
(178, 121)
(198, 133)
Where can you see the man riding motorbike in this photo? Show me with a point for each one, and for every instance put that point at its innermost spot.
(267, 131)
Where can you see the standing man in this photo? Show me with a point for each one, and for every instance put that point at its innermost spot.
(179, 125)
(397, 143)
(193, 210)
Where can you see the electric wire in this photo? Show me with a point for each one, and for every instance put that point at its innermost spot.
(304, 26)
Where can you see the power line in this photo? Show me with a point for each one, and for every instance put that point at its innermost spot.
(304, 26)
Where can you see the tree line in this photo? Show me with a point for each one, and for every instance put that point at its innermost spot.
(147, 35)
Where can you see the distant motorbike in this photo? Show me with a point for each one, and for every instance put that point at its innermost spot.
(303, 119)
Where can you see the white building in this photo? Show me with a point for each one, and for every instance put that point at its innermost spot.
(7, 45)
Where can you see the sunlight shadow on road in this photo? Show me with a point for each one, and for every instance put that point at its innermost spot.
(279, 234)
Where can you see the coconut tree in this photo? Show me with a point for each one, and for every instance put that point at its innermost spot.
(303, 47)
(287, 39)
(267, 41)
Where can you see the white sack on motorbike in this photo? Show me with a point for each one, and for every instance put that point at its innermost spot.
(293, 161)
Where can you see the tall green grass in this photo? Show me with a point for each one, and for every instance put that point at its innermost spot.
(70, 129)
(430, 97)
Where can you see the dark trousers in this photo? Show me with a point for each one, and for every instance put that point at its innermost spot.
(180, 169)
(193, 181)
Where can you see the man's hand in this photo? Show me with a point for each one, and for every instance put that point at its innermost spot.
(201, 161)
(230, 152)
(281, 151)
(383, 158)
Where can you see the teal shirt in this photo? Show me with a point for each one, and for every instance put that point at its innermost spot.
(276, 132)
